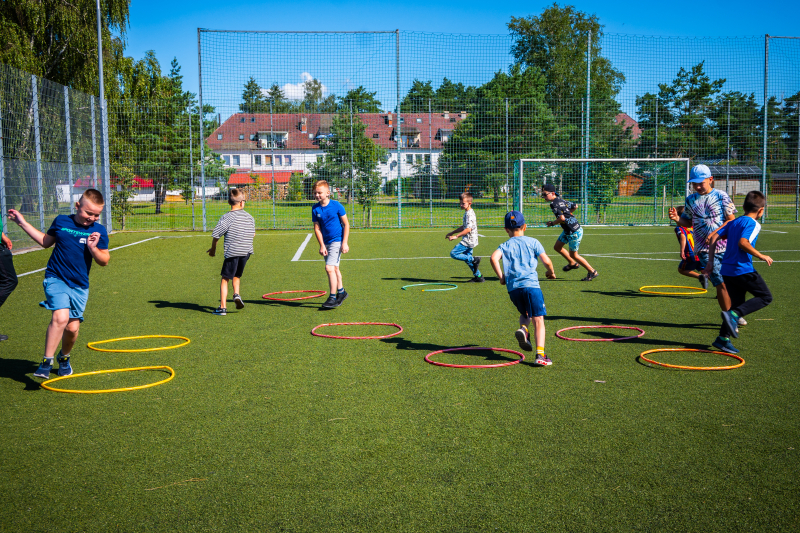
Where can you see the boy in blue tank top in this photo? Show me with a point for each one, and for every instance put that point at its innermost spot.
(520, 255)
(737, 269)
(78, 241)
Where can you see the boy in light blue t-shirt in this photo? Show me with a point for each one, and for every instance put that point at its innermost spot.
(520, 255)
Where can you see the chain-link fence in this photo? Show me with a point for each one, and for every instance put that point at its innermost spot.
(401, 123)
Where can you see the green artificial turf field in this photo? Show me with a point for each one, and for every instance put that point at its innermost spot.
(267, 428)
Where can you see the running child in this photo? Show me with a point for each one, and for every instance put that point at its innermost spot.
(689, 264)
(520, 255)
(706, 210)
(332, 231)
(572, 231)
(469, 233)
(8, 276)
(239, 228)
(737, 269)
(78, 241)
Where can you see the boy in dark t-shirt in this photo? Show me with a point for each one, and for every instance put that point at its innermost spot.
(572, 234)
(78, 241)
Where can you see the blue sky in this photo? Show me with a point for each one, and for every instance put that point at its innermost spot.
(170, 27)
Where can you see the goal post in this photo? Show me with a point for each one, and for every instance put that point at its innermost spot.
(608, 191)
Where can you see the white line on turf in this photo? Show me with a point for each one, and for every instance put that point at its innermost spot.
(299, 251)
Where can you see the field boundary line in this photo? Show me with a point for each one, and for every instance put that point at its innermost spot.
(300, 250)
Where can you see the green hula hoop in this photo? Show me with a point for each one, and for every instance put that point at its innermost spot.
(451, 287)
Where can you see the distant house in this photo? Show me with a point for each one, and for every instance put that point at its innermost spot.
(628, 122)
(289, 142)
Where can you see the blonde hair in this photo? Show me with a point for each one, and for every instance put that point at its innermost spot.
(235, 196)
(321, 183)
(94, 196)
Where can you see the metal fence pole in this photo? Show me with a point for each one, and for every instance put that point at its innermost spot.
(104, 127)
(507, 189)
(352, 160)
(202, 132)
(728, 157)
(399, 136)
(797, 183)
(191, 165)
(3, 207)
(68, 124)
(656, 126)
(588, 124)
(94, 145)
(272, 162)
(430, 159)
(766, 113)
(38, 139)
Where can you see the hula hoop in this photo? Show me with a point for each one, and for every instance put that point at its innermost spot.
(142, 349)
(45, 385)
(697, 290)
(507, 363)
(267, 296)
(452, 286)
(683, 367)
(399, 327)
(558, 333)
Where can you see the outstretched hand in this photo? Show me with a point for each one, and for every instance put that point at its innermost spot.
(16, 216)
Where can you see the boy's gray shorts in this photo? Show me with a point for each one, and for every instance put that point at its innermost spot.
(334, 254)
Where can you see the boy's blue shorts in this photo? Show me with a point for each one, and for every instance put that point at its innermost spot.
(573, 239)
(61, 296)
(529, 301)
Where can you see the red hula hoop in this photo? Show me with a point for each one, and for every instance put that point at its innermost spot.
(398, 326)
(267, 296)
(558, 333)
(508, 363)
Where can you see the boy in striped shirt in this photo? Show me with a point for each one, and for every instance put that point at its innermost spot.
(239, 228)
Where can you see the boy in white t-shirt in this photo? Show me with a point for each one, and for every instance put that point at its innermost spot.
(469, 231)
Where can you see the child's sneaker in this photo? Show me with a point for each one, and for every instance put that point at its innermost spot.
(724, 345)
(238, 301)
(573, 266)
(741, 321)
(477, 279)
(523, 338)
(44, 369)
(590, 276)
(64, 368)
(542, 360)
(475, 262)
(731, 320)
(340, 297)
(703, 281)
(330, 303)
(220, 311)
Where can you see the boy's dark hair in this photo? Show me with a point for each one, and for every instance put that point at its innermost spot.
(754, 201)
(679, 210)
(235, 196)
(465, 196)
(94, 196)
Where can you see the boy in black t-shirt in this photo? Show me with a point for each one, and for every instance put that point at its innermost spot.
(572, 234)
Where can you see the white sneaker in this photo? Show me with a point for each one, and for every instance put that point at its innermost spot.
(523, 338)
(742, 321)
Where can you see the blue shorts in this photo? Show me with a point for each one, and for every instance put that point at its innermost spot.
(690, 264)
(61, 296)
(573, 239)
(529, 301)
(715, 277)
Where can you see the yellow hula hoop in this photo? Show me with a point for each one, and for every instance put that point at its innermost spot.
(696, 290)
(102, 391)
(140, 337)
(682, 367)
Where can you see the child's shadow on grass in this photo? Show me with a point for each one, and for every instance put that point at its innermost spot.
(489, 356)
(583, 320)
(163, 304)
(19, 370)
(287, 303)
(630, 293)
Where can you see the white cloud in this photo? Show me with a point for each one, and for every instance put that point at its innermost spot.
(294, 91)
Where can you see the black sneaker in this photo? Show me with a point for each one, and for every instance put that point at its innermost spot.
(330, 303)
(221, 311)
(573, 266)
(590, 276)
(238, 301)
(475, 262)
(3, 337)
(477, 279)
(703, 281)
(340, 297)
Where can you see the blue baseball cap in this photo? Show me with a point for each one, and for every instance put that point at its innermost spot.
(514, 220)
(699, 173)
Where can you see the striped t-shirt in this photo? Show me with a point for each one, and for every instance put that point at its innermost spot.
(707, 212)
(239, 228)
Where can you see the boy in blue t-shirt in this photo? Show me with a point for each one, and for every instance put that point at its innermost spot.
(332, 230)
(520, 256)
(78, 241)
(737, 268)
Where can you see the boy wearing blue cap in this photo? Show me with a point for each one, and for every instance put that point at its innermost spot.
(520, 255)
(706, 211)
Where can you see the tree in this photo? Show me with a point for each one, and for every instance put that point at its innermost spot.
(362, 100)
(417, 98)
(315, 99)
(279, 102)
(448, 96)
(253, 100)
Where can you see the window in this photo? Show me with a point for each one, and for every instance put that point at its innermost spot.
(376, 136)
(453, 119)
(401, 120)
(287, 159)
(257, 160)
(267, 159)
(419, 121)
(236, 161)
(241, 119)
(241, 136)
(219, 136)
(252, 136)
(227, 160)
(410, 159)
(278, 160)
(252, 119)
(427, 159)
